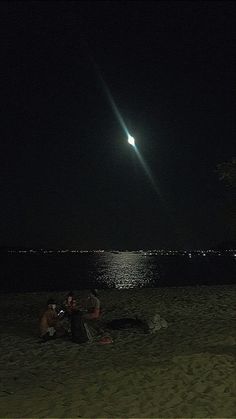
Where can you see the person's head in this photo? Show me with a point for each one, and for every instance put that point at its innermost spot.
(51, 303)
(70, 297)
(93, 293)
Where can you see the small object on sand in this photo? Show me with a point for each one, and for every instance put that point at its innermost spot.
(156, 323)
(105, 340)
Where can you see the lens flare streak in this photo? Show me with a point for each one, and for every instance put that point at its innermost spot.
(130, 139)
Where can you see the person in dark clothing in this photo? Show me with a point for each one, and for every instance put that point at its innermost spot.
(80, 332)
(70, 303)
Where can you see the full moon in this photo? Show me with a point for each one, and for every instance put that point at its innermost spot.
(131, 140)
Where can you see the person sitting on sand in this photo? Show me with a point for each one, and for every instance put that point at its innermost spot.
(69, 306)
(93, 315)
(70, 303)
(49, 322)
(94, 306)
(80, 331)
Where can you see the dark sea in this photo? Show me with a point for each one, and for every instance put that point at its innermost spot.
(25, 272)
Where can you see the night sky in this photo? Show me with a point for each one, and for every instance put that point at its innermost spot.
(68, 176)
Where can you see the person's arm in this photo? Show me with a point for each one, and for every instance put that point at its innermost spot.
(52, 319)
(93, 315)
(95, 312)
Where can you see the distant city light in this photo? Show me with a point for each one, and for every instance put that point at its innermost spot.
(151, 252)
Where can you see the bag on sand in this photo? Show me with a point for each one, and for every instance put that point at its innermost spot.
(156, 323)
(79, 329)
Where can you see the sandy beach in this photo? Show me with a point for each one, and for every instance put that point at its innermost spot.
(184, 371)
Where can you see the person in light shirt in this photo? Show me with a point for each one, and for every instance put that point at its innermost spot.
(94, 306)
(49, 322)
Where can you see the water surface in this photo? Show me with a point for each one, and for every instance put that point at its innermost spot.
(43, 272)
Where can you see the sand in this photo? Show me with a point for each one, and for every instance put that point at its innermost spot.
(184, 371)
